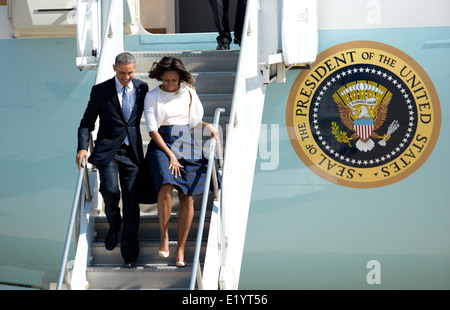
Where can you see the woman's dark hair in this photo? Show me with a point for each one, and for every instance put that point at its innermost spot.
(170, 63)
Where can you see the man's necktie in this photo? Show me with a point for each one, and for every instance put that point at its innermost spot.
(126, 108)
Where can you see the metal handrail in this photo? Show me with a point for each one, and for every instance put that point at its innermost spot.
(60, 10)
(196, 273)
(84, 25)
(82, 177)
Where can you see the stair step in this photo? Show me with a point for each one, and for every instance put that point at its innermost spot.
(155, 276)
(205, 82)
(194, 61)
(211, 102)
(148, 253)
(149, 226)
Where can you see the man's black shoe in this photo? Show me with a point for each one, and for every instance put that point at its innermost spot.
(223, 46)
(110, 240)
(129, 263)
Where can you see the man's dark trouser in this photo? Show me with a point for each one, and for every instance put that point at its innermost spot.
(122, 167)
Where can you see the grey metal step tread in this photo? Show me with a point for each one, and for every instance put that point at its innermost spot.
(152, 216)
(148, 253)
(153, 243)
(213, 101)
(205, 82)
(208, 74)
(149, 226)
(224, 96)
(189, 56)
(222, 120)
(194, 60)
(187, 53)
(171, 267)
(149, 276)
(144, 243)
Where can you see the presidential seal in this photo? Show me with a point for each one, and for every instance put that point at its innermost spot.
(365, 115)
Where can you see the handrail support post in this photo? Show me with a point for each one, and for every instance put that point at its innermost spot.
(196, 273)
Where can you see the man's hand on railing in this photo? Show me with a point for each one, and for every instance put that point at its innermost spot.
(79, 159)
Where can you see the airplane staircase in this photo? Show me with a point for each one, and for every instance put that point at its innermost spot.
(215, 74)
(234, 80)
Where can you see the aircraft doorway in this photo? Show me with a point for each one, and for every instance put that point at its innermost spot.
(196, 16)
(180, 16)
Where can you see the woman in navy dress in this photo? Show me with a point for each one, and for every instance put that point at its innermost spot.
(174, 158)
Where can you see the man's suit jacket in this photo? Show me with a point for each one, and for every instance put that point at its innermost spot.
(104, 103)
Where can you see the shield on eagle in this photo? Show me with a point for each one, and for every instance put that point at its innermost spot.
(364, 127)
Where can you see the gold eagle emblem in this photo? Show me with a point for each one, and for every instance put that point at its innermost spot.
(363, 107)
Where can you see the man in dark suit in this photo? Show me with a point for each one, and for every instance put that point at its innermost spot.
(221, 20)
(118, 151)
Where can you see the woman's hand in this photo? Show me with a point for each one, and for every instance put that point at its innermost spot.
(214, 132)
(174, 165)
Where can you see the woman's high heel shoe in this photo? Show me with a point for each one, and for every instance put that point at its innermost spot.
(180, 264)
(163, 254)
